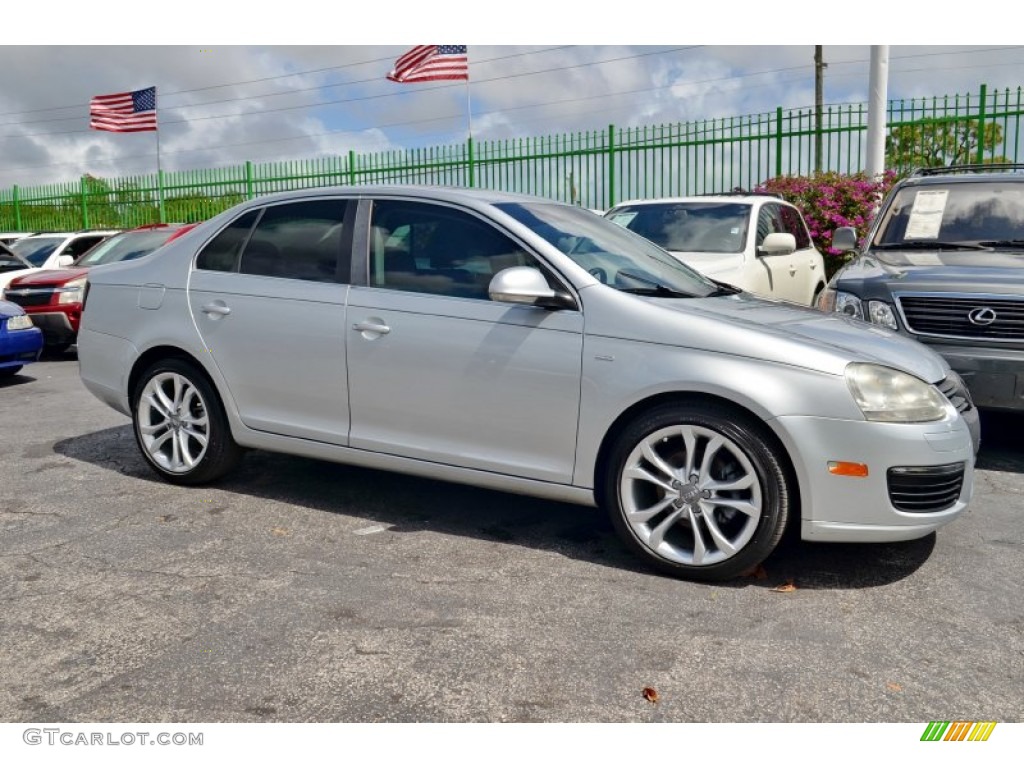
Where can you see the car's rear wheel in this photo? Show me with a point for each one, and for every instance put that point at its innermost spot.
(698, 491)
(180, 424)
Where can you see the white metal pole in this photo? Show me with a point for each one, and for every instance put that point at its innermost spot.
(878, 95)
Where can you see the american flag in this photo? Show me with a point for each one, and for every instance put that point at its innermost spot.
(431, 62)
(124, 112)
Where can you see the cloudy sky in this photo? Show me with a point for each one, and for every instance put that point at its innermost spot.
(222, 103)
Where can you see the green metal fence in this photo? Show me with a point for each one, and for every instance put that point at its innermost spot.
(595, 169)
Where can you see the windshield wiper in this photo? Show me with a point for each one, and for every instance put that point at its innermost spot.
(654, 289)
(928, 245)
(1002, 243)
(724, 289)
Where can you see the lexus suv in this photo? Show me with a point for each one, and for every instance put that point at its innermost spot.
(532, 347)
(944, 264)
(757, 242)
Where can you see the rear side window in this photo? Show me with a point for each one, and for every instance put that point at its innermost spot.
(794, 224)
(298, 241)
(221, 253)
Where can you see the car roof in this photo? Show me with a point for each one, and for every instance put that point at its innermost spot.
(747, 197)
(463, 195)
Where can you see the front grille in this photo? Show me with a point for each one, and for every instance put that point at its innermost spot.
(950, 316)
(953, 388)
(925, 489)
(29, 297)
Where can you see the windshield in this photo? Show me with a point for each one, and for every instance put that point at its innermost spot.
(711, 227)
(36, 250)
(613, 255)
(964, 213)
(9, 261)
(124, 247)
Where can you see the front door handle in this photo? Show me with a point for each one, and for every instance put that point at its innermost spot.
(217, 308)
(372, 327)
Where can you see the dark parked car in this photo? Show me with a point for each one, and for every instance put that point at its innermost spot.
(944, 264)
(20, 341)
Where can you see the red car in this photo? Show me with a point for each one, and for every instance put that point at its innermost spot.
(53, 297)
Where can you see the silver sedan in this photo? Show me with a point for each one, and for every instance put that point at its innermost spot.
(528, 346)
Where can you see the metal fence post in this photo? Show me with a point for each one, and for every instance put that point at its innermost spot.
(352, 167)
(472, 170)
(778, 141)
(17, 208)
(611, 166)
(250, 190)
(160, 194)
(983, 97)
(84, 186)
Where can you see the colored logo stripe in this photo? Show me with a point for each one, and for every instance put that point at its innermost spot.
(959, 730)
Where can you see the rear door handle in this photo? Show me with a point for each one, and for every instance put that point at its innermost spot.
(217, 308)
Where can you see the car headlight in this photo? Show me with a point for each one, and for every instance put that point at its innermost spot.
(885, 394)
(20, 323)
(848, 304)
(72, 292)
(881, 313)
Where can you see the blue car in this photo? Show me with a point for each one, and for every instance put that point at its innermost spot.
(20, 341)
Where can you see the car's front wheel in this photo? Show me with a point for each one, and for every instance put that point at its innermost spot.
(698, 491)
(180, 424)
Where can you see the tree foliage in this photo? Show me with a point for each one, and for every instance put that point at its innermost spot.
(932, 144)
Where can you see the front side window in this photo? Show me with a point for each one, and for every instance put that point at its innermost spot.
(794, 224)
(123, 247)
(435, 249)
(769, 221)
(711, 227)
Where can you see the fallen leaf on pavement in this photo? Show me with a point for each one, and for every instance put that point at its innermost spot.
(277, 530)
(789, 586)
(651, 695)
(894, 687)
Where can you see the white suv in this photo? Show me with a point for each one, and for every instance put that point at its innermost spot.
(759, 243)
(56, 250)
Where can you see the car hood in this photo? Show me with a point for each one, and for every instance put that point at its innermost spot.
(52, 276)
(877, 272)
(765, 329)
(7, 277)
(720, 266)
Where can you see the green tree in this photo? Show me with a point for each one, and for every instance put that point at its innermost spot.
(931, 144)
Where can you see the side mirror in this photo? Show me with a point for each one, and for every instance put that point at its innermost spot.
(65, 260)
(777, 244)
(526, 285)
(845, 239)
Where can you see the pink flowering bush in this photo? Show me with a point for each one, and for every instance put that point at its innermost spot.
(829, 201)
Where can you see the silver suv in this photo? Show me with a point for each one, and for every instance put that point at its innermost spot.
(528, 346)
(943, 264)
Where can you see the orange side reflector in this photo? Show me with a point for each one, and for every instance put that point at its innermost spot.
(848, 468)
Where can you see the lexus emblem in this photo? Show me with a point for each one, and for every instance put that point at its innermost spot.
(982, 316)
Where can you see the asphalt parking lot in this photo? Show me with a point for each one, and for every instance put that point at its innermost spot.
(296, 590)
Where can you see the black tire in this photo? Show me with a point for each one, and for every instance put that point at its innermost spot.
(6, 373)
(182, 458)
(57, 349)
(738, 527)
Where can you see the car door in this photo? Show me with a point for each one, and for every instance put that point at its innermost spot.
(777, 273)
(439, 371)
(268, 298)
(806, 259)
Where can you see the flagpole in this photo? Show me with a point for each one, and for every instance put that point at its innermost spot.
(469, 123)
(159, 169)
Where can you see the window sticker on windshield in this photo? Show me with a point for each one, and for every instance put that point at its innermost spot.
(926, 215)
(623, 219)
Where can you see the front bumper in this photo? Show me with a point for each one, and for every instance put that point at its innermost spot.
(995, 377)
(20, 347)
(859, 509)
(58, 327)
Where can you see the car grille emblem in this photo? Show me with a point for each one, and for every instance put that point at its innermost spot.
(982, 316)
